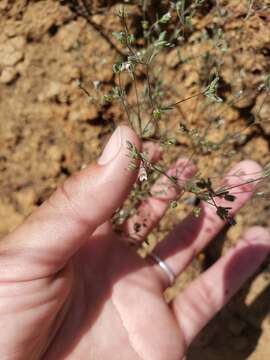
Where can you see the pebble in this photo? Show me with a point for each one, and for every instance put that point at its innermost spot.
(11, 52)
(54, 153)
(173, 59)
(4, 5)
(8, 75)
(9, 56)
(84, 114)
(25, 199)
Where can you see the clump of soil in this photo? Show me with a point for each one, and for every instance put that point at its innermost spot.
(48, 129)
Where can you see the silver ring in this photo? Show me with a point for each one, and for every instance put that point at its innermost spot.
(164, 267)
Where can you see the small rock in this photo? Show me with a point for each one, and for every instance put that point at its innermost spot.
(25, 199)
(54, 153)
(69, 35)
(98, 19)
(52, 90)
(70, 73)
(18, 42)
(246, 101)
(8, 75)
(4, 5)
(10, 56)
(173, 58)
(257, 149)
(84, 114)
(11, 29)
(11, 52)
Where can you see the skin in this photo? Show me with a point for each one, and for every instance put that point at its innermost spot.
(70, 288)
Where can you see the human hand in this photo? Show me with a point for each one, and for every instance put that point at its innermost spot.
(71, 289)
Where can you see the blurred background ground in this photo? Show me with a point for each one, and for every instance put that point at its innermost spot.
(48, 129)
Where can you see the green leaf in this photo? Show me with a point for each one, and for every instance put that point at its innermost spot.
(211, 90)
(174, 204)
(266, 170)
(165, 18)
(231, 221)
(157, 114)
(223, 212)
(229, 197)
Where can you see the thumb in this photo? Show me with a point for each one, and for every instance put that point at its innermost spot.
(53, 233)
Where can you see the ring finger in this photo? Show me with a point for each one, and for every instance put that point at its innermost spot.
(193, 234)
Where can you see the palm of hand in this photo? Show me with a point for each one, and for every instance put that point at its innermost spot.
(116, 308)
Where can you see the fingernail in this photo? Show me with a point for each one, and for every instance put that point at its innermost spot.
(112, 148)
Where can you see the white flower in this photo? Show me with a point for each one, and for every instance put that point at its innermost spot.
(96, 84)
(165, 18)
(128, 66)
(125, 66)
(143, 174)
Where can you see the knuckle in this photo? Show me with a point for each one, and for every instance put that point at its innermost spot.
(66, 197)
(206, 295)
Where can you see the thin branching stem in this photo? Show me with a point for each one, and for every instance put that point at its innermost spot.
(138, 104)
(123, 100)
